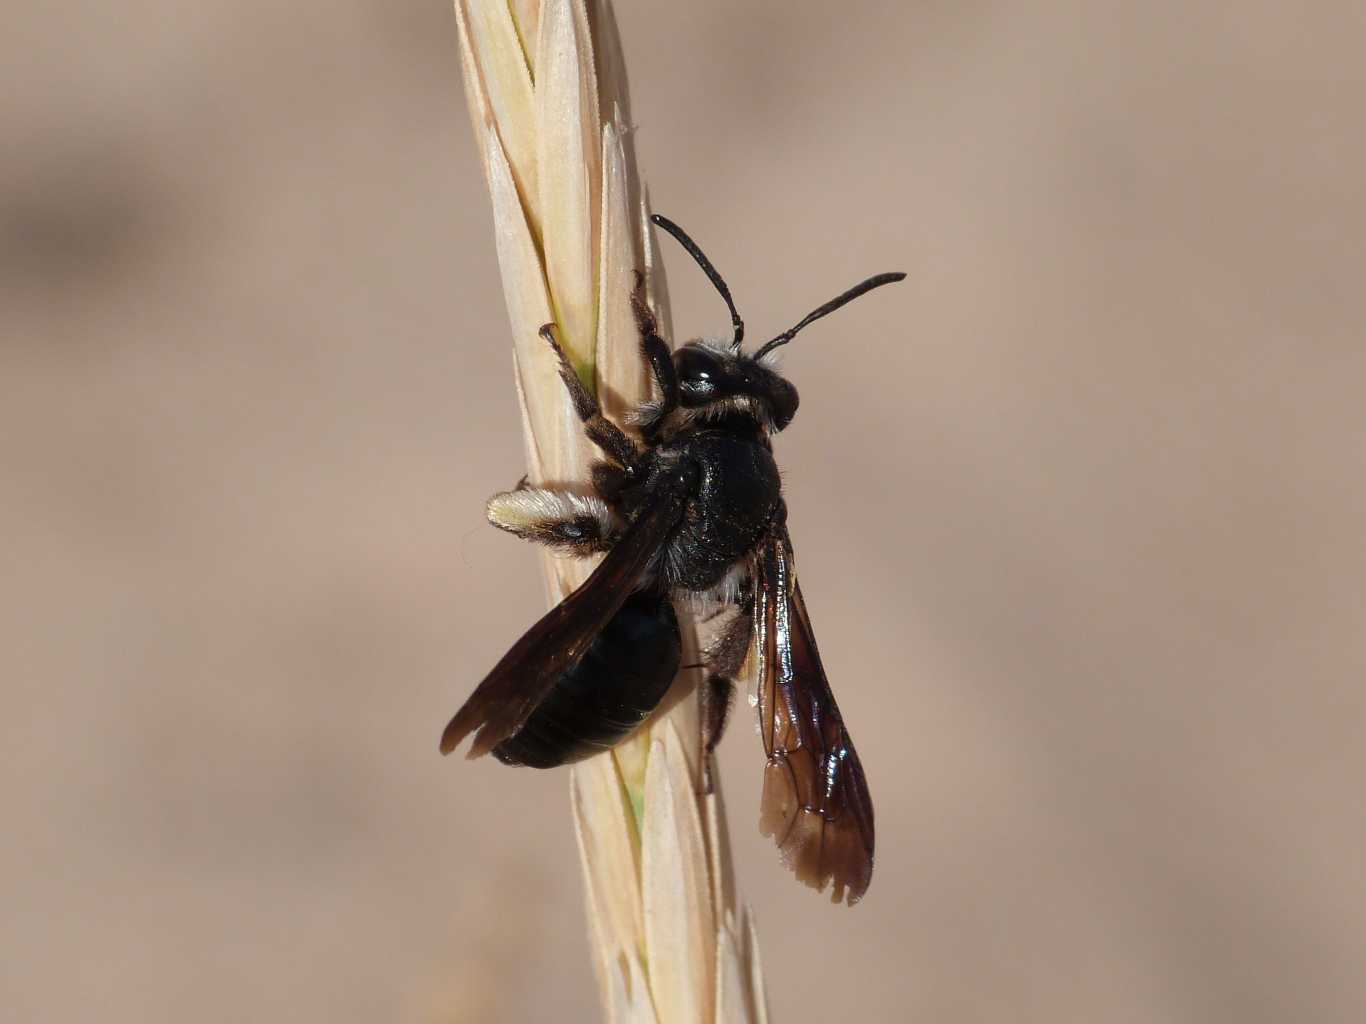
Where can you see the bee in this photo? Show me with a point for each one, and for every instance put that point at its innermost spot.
(690, 515)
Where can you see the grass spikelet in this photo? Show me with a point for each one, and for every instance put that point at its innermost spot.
(547, 94)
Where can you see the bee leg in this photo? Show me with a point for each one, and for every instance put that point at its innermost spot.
(717, 694)
(725, 658)
(571, 523)
(657, 353)
(600, 430)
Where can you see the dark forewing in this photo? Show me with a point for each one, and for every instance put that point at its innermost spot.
(815, 801)
(501, 704)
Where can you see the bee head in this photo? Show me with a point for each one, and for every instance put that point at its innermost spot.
(718, 378)
(713, 378)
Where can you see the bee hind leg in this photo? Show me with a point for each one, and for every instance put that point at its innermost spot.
(725, 657)
(571, 523)
(717, 696)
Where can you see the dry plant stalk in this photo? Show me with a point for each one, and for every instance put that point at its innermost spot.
(546, 85)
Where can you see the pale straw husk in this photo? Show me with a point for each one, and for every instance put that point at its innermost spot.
(547, 92)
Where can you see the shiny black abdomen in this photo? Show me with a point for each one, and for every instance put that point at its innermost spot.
(621, 678)
(738, 493)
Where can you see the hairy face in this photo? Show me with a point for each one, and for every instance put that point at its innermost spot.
(713, 376)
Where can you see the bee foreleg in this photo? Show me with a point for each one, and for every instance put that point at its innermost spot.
(656, 351)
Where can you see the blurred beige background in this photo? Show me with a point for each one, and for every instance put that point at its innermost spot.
(1079, 507)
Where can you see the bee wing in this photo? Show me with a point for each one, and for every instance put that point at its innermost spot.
(815, 801)
(502, 703)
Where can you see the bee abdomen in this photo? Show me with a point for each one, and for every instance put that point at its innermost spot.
(621, 678)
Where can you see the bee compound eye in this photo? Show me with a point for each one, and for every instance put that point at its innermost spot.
(783, 400)
(697, 370)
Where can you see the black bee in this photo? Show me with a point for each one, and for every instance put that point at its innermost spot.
(692, 513)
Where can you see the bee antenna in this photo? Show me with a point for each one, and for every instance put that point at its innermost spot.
(876, 281)
(712, 275)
